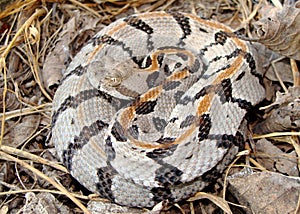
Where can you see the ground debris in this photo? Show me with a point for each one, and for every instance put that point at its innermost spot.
(43, 203)
(266, 192)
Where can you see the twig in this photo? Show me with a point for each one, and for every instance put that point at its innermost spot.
(8, 157)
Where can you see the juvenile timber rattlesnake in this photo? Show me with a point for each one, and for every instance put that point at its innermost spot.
(153, 107)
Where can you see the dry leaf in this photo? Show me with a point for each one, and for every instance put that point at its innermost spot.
(285, 114)
(75, 33)
(44, 203)
(274, 159)
(266, 192)
(279, 30)
(271, 68)
(55, 61)
(25, 129)
(11, 101)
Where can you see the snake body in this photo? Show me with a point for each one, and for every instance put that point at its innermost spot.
(153, 108)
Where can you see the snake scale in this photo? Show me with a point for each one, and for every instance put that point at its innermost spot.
(152, 108)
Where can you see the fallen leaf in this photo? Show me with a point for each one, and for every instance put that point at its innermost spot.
(266, 192)
(279, 30)
(284, 113)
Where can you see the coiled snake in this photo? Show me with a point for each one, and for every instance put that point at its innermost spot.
(153, 107)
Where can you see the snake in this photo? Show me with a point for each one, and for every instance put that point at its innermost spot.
(154, 107)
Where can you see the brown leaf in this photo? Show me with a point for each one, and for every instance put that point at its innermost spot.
(25, 129)
(55, 61)
(271, 68)
(279, 30)
(266, 192)
(43, 203)
(75, 33)
(11, 101)
(274, 159)
(284, 114)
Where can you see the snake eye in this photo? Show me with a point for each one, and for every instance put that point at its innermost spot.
(112, 81)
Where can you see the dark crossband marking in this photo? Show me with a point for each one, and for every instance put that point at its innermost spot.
(134, 131)
(145, 107)
(160, 59)
(139, 24)
(166, 140)
(226, 140)
(201, 93)
(159, 123)
(182, 100)
(240, 140)
(189, 120)
(118, 132)
(78, 71)
(142, 61)
(252, 65)
(82, 139)
(203, 30)
(243, 104)
(223, 68)
(197, 65)
(109, 150)
(217, 58)
(205, 91)
(206, 48)
(87, 132)
(220, 37)
(225, 92)
(178, 95)
(104, 184)
(204, 123)
(74, 101)
(68, 154)
(162, 194)
(171, 85)
(240, 76)
(160, 153)
(143, 26)
(184, 24)
(104, 39)
(168, 175)
(107, 39)
(250, 60)
(148, 62)
(151, 79)
(232, 55)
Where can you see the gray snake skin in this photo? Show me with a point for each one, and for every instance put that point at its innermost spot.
(153, 108)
